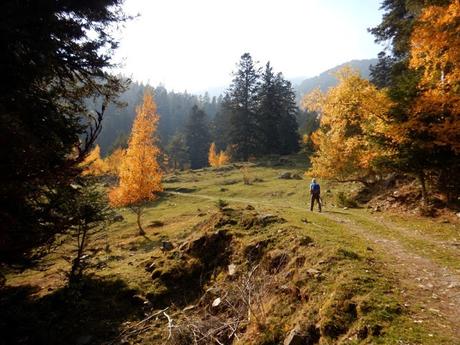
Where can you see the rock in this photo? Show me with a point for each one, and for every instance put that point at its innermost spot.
(224, 189)
(313, 272)
(458, 214)
(296, 176)
(249, 207)
(231, 269)
(118, 218)
(216, 302)
(285, 175)
(345, 208)
(297, 336)
(166, 245)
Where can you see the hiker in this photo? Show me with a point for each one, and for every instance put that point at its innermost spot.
(315, 192)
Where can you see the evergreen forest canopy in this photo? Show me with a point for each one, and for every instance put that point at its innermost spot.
(262, 110)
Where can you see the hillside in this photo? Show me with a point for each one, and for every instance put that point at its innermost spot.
(224, 262)
(326, 79)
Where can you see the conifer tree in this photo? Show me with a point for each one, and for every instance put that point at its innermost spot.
(241, 103)
(140, 174)
(197, 138)
(177, 151)
(277, 113)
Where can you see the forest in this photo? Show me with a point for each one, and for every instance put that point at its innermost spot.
(136, 215)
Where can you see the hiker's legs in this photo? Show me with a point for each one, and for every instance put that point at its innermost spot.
(318, 199)
(312, 202)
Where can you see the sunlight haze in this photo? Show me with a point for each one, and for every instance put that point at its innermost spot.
(194, 45)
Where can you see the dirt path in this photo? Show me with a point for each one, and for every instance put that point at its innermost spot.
(433, 290)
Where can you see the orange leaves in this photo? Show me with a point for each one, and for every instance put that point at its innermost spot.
(140, 174)
(435, 50)
(350, 113)
(217, 160)
(93, 164)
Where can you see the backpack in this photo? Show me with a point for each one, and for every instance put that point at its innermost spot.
(315, 188)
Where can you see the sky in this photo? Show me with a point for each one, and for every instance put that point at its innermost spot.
(194, 45)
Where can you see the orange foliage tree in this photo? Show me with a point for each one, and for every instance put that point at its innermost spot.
(217, 160)
(212, 156)
(115, 160)
(140, 174)
(350, 113)
(94, 164)
(435, 51)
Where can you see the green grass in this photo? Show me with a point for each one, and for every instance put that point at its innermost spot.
(351, 271)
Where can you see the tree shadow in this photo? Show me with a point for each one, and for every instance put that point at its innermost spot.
(90, 313)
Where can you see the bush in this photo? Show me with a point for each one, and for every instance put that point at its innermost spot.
(344, 201)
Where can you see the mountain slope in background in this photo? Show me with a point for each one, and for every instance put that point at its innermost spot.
(326, 79)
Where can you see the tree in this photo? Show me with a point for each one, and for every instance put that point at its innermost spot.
(93, 163)
(114, 161)
(140, 174)
(55, 56)
(350, 113)
(178, 151)
(276, 114)
(213, 158)
(417, 133)
(197, 138)
(217, 159)
(92, 213)
(241, 103)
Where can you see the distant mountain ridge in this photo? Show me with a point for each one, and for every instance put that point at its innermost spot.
(303, 85)
(326, 79)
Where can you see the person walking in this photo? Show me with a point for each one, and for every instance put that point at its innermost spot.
(315, 194)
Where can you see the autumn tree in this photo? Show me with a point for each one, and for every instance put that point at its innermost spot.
(350, 113)
(114, 161)
(140, 174)
(94, 164)
(421, 78)
(212, 156)
(217, 159)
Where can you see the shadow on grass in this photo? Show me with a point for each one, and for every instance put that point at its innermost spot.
(88, 314)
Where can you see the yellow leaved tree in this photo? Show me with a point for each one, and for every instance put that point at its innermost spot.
(435, 51)
(217, 160)
(212, 156)
(115, 160)
(350, 112)
(140, 174)
(94, 164)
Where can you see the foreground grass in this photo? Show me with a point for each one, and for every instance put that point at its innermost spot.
(350, 269)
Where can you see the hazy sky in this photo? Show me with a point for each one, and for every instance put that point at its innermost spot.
(194, 45)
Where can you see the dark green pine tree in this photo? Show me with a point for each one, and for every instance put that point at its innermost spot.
(49, 66)
(177, 151)
(197, 138)
(241, 103)
(276, 114)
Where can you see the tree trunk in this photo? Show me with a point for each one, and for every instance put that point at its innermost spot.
(422, 180)
(141, 230)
